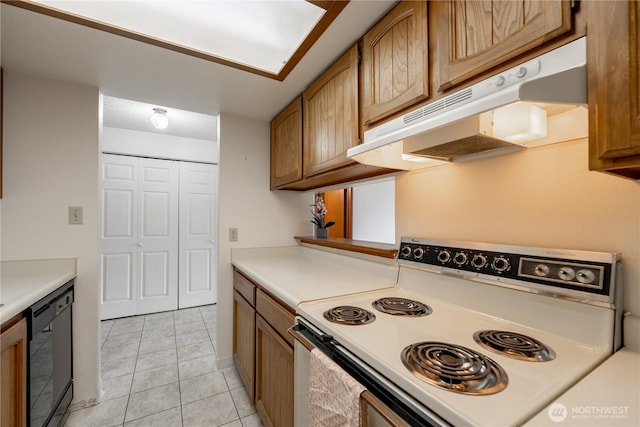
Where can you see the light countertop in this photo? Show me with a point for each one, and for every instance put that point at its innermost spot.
(23, 283)
(297, 273)
(608, 396)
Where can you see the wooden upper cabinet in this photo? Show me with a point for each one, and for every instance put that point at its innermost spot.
(395, 62)
(286, 145)
(474, 36)
(614, 87)
(331, 116)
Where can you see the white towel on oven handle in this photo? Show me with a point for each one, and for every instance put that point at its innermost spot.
(334, 396)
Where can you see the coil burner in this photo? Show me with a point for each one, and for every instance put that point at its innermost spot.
(514, 345)
(349, 315)
(454, 368)
(401, 307)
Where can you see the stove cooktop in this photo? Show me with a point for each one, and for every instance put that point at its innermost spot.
(550, 342)
(529, 386)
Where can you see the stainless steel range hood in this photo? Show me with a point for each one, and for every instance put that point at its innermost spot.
(546, 95)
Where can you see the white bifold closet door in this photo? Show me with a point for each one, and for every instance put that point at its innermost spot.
(143, 248)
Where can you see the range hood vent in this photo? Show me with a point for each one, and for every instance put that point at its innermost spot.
(468, 124)
(469, 146)
(441, 105)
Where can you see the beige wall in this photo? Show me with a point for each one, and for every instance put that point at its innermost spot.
(50, 163)
(538, 197)
(263, 218)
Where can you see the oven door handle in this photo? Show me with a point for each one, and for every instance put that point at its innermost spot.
(293, 331)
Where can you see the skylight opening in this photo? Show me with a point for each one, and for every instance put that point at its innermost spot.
(258, 34)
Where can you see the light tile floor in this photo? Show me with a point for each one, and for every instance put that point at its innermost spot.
(160, 370)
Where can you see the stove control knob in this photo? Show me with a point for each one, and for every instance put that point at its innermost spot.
(500, 264)
(444, 256)
(418, 253)
(567, 273)
(479, 261)
(406, 251)
(460, 258)
(585, 276)
(541, 270)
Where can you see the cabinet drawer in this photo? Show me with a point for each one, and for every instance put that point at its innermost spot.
(275, 314)
(245, 287)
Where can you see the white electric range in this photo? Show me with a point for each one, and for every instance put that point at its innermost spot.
(548, 316)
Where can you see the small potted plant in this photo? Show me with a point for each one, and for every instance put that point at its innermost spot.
(319, 211)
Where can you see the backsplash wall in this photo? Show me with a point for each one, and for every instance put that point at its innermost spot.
(543, 197)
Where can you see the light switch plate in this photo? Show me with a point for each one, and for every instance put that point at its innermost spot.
(75, 214)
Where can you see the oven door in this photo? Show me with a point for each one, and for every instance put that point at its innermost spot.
(382, 404)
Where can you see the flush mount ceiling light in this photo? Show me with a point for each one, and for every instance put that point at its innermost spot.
(159, 118)
(267, 38)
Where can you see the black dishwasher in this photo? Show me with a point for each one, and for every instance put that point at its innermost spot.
(50, 358)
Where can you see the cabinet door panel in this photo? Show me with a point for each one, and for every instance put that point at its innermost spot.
(331, 116)
(286, 145)
(274, 376)
(13, 375)
(614, 98)
(484, 34)
(394, 59)
(244, 323)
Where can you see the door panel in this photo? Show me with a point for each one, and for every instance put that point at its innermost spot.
(156, 214)
(117, 275)
(118, 292)
(119, 236)
(155, 279)
(199, 214)
(199, 261)
(197, 245)
(158, 240)
(118, 210)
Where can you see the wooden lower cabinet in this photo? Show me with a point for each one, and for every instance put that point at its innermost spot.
(274, 376)
(263, 350)
(13, 384)
(244, 320)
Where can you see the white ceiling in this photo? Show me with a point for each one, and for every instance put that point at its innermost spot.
(122, 68)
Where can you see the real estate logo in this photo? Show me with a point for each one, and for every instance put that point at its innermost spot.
(557, 412)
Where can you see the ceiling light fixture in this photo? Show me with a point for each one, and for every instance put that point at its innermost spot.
(159, 118)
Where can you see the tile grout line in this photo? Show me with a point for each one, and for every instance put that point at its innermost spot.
(133, 376)
(179, 378)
